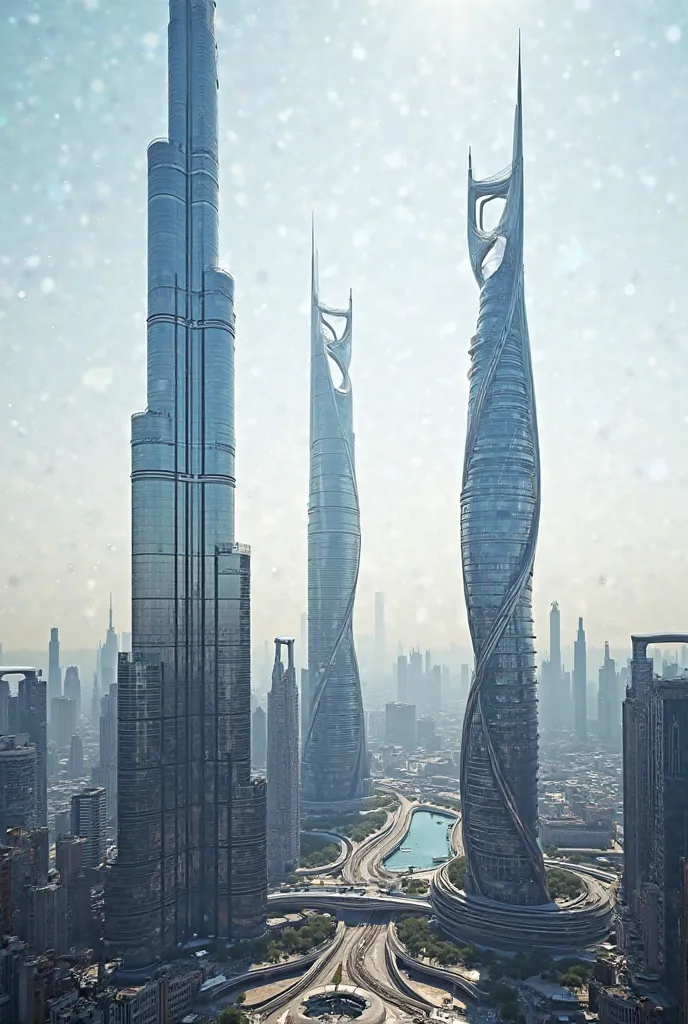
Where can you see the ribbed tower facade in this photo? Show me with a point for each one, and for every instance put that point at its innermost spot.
(191, 822)
(283, 766)
(500, 511)
(334, 766)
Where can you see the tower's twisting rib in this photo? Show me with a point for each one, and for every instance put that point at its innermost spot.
(500, 510)
(334, 759)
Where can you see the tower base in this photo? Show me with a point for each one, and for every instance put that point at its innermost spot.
(581, 923)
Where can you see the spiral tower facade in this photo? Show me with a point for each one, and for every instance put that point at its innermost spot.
(500, 510)
(334, 763)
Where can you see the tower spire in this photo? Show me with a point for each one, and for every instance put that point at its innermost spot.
(110, 623)
(314, 262)
(518, 117)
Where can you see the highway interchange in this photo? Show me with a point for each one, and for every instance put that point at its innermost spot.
(365, 943)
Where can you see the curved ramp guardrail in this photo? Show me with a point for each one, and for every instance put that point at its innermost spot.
(396, 949)
(347, 848)
(322, 959)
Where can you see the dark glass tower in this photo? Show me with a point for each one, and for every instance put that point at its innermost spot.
(500, 511)
(191, 823)
(334, 764)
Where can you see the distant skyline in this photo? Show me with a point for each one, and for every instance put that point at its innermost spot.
(363, 113)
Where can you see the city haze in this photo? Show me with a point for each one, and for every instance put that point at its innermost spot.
(362, 113)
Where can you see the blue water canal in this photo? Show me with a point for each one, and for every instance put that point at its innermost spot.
(426, 841)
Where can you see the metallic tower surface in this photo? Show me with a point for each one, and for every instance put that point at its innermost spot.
(283, 766)
(500, 511)
(334, 756)
(191, 822)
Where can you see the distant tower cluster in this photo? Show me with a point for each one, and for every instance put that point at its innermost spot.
(335, 762)
(283, 766)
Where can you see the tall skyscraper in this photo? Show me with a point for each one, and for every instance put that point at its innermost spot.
(72, 688)
(380, 638)
(608, 701)
(655, 788)
(580, 685)
(63, 720)
(108, 656)
(191, 822)
(500, 512)
(26, 712)
(89, 822)
(17, 783)
(54, 670)
(335, 761)
(284, 834)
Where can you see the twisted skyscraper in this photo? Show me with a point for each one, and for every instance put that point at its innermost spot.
(334, 757)
(191, 823)
(500, 511)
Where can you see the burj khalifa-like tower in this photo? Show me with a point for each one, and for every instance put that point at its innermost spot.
(191, 822)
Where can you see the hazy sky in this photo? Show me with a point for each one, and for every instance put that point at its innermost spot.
(362, 111)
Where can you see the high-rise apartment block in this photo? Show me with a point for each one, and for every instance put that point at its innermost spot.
(26, 713)
(609, 702)
(17, 783)
(335, 761)
(655, 760)
(62, 720)
(72, 688)
(580, 685)
(89, 821)
(400, 725)
(54, 670)
(47, 918)
(500, 514)
(259, 738)
(191, 823)
(76, 757)
(283, 766)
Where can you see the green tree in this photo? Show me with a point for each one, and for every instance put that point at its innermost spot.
(232, 1015)
(241, 998)
(337, 976)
